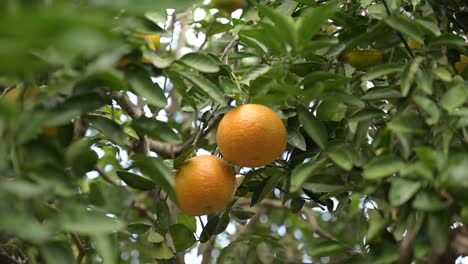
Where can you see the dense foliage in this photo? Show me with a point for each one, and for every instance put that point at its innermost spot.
(103, 100)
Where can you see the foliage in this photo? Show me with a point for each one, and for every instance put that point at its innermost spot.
(95, 122)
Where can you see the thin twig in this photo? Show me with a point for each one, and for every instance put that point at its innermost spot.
(229, 47)
(82, 249)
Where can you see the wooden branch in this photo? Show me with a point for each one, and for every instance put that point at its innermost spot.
(406, 246)
(82, 249)
(227, 50)
(305, 211)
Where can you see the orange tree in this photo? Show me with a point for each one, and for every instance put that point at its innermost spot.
(104, 100)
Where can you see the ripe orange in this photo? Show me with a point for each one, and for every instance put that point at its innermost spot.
(251, 135)
(229, 6)
(204, 185)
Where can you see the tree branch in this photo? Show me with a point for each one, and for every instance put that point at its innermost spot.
(305, 211)
(406, 246)
(227, 50)
(82, 249)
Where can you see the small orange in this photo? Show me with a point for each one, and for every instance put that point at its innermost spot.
(363, 59)
(460, 66)
(251, 135)
(49, 131)
(153, 41)
(204, 185)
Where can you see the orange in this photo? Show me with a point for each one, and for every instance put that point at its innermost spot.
(153, 41)
(228, 6)
(49, 131)
(363, 59)
(251, 135)
(204, 185)
(461, 65)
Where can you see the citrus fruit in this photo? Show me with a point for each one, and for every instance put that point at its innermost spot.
(363, 59)
(16, 93)
(204, 185)
(461, 65)
(153, 41)
(251, 135)
(331, 110)
(229, 6)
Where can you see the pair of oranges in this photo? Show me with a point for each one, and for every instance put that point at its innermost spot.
(248, 136)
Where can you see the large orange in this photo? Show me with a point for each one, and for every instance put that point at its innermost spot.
(251, 135)
(204, 185)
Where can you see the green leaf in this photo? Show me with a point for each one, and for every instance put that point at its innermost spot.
(265, 188)
(228, 86)
(383, 166)
(81, 157)
(301, 173)
(424, 81)
(182, 236)
(210, 229)
(25, 227)
(154, 237)
(162, 251)
(408, 76)
(136, 181)
(180, 160)
(456, 95)
(222, 223)
(158, 172)
(428, 201)
(381, 94)
(407, 124)
(199, 62)
(107, 247)
(22, 189)
(82, 221)
(141, 83)
(297, 204)
(314, 127)
(156, 129)
(366, 115)
(206, 86)
(295, 139)
(377, 224)
(342, 155)
(326, 248)
(310, 22)
(402, 190)
(283, 24)
(347, 99)
(241, 214)
(163, 214)
(188, 221)
(109, 128)
(107, 78)
(254, 72)
(57, 253)
(73, 107)
(382, 70)
(429, 107)
(407, 26)
(447, 39)
(138, 228)
(95, 194)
